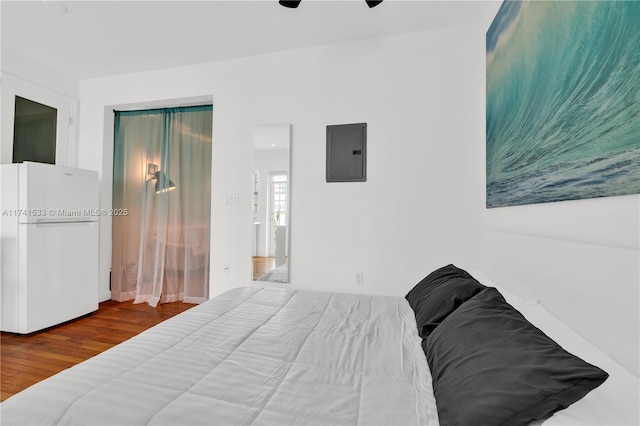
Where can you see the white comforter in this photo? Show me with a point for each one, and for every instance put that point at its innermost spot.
(251, 356)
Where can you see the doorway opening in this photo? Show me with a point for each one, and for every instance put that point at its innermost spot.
(161, 204)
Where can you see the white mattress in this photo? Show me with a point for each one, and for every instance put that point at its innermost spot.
(251, 356)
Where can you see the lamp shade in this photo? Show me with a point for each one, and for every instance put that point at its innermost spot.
(163, 183)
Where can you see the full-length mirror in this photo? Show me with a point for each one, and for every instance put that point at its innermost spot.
(270, 202)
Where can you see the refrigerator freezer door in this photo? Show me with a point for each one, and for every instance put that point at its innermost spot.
(58, 273)
(56, 192)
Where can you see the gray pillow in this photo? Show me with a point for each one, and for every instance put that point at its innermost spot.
(490, 366)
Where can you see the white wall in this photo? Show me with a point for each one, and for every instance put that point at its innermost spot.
(416, 212)
(24, 77)
(15, 64)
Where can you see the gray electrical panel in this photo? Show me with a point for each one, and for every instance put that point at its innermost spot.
(347, 153)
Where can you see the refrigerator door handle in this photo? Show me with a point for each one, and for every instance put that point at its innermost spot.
(60, 221)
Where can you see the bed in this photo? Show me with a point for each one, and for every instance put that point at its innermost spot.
(280, 356)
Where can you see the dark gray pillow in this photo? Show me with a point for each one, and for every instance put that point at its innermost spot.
(490, 366)
(440, 293)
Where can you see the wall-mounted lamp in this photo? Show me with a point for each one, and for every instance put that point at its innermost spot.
(163, 183)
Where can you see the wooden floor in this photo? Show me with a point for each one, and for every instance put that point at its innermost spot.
(28, 359)
(262, 265)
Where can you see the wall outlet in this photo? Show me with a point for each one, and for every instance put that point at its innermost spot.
(227, 269)
(359, 279)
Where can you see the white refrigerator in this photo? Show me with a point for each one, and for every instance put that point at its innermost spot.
(49, 222)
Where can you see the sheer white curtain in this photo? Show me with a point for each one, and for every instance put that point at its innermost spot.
(162, 180)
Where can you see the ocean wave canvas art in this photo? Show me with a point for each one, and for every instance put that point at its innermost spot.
(563, 101)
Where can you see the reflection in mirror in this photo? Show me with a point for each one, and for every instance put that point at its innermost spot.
(271, 218)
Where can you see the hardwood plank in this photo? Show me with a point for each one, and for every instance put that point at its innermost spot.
(16, 369)
(33, 360)
(262, 265)
(28, 359)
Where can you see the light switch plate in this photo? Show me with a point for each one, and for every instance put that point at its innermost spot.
(232, 200)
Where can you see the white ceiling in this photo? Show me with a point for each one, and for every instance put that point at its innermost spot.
(86, 39)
